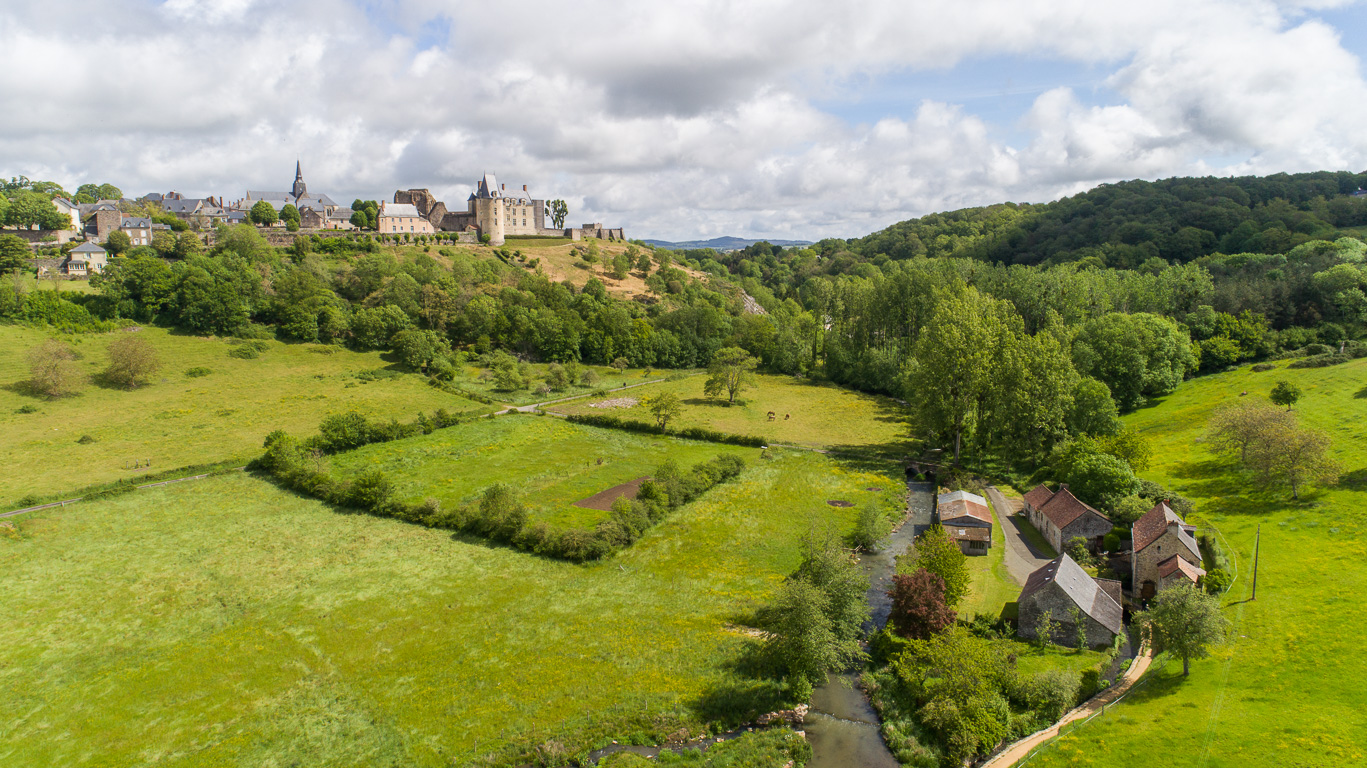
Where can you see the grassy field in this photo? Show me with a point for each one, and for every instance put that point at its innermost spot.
(992, 586)
(550, 462)
(226, 622)
(180, 420)
(477, 379)
(1284, 691)
(819, 415)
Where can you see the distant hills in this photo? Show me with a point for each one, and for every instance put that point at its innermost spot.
(722, 243)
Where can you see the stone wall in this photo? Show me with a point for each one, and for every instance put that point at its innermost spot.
(39, 237)
(1146, 561)
(1053, 598)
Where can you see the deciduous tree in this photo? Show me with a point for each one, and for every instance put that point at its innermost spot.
(1285, 393)
(132, 361)
(1186, 622)
(1294, 456)
(14, 254)
(558, 211)
(118, 242)
(731, 371)
(52, 369)
(664, 406)
(1240, 426)
(263, 214)
(938, 554)
(918, 605)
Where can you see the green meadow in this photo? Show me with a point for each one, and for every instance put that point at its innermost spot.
(180, 420)
(477, 379)
(806, 413)
(1285, 690)
(550, 462)
(227, 622)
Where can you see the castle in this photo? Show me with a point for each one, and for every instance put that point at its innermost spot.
(495, 211)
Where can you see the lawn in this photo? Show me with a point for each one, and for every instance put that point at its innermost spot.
(992, 586)
(179, 420)
(807, 413)
(1284, 690)
(554, 463)
(227, 622)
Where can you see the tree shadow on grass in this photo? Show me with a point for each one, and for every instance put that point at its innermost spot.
(1361, 394)
(1354, 481)
(750, 690)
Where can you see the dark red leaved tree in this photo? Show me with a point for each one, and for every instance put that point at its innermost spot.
(918, 605)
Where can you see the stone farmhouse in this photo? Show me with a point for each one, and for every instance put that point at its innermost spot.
(1165, 552)
(1061, 516)
(1061, 586)
(967, 520)
(494, 210)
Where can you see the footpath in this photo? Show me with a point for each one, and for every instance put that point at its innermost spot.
(1021, 749)
(1022, 558)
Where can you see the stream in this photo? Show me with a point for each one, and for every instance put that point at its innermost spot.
(841, 724)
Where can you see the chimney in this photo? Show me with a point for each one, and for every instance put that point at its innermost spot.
(1063, 486)
(502, 186)
(524, 189)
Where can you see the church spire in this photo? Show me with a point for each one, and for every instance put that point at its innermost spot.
(300, 189)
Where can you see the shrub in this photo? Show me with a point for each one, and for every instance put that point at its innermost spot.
(372, 491)
(26, 409)
(244, 352)
(1047, 694)
(918, 605)
(1216, 581)
(52, 369)
(1261, 367)
(86, 440)
(132, 361)
(871, 526)
(197, 372)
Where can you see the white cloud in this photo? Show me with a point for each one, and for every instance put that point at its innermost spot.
(697, 117)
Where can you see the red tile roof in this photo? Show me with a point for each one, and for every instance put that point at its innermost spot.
(1038, 496)
(1064, 508)
(1176, 564)
(1151, 527)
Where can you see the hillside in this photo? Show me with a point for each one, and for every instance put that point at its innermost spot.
(1127, 223)
(722, 243)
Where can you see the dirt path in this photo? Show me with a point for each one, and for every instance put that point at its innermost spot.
(1016, 752)
(1021, 558)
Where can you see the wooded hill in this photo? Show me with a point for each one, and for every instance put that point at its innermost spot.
(1127, 223)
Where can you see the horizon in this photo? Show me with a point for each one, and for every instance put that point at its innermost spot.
(775, 123)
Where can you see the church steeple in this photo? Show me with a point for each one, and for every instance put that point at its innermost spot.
(300, 188)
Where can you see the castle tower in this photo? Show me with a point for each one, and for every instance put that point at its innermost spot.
(300, 188)
(488, 205)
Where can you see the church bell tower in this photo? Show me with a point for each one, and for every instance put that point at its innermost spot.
(300, 189)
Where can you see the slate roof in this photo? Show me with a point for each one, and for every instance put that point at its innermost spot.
(1038, 496)
(1063, 508)
(136, 222)
(88, 247)
(965, 507)
(1089, 596)
(1151, 527)
(487, 187)
(1176, 564)
(182, 206)
(400, 209)
(1112, 588)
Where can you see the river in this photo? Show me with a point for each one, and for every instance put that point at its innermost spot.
(841, 725)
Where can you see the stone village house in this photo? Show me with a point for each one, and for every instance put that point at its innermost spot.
(967, 520)
(1061, 516)
(1165, 552)
(1061, 586)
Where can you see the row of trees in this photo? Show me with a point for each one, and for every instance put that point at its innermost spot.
(54, 371)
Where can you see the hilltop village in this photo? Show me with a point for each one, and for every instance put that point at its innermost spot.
(80, 226)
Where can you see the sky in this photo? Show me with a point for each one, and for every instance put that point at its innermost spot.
(684, 120)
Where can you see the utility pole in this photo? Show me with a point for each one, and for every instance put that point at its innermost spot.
(1256, 541)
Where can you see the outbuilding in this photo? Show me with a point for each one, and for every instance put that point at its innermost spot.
(967, 519)
(1063, 589)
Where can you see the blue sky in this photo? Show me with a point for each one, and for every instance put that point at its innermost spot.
(685, 120)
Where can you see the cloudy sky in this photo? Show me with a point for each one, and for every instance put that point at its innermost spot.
(689, 119)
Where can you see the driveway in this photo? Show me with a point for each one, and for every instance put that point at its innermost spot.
(1022, 559)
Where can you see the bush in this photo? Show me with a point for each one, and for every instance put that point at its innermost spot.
(1262, 367)
(26, 409)
(244, 352)
(871, 527)
(1320, 361)
(1216, 581)
(132, 361)
(372, 491)
(197, 372)
(1047, 694)
(86, 440)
